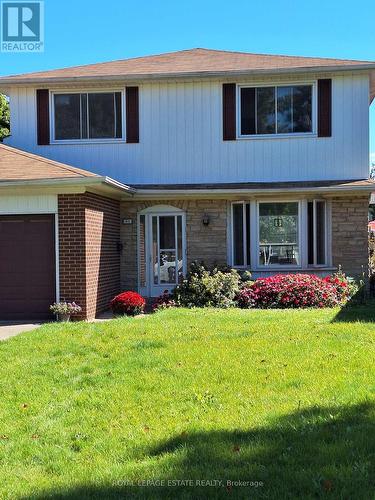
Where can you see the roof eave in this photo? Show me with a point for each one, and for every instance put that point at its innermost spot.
(10, 81)
(100, 182)
(222, 193)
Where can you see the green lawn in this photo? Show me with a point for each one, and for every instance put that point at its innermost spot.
(282, 399)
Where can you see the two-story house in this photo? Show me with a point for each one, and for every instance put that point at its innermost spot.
(118, 175)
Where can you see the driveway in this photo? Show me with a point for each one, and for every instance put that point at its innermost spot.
(12, 328)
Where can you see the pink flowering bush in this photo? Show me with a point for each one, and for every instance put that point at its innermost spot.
(292, 291)
(341, 285)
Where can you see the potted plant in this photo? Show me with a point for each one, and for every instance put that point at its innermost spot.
(64, 310)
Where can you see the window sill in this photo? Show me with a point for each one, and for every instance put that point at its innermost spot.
(277, 136)
(88, 142)
(271, 269)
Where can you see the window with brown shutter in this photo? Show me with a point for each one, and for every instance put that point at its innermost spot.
(42, 113)
(87, 116)
(276, 110)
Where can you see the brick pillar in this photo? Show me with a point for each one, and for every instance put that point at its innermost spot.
(89, 231)
(102, 252)
(72, 249)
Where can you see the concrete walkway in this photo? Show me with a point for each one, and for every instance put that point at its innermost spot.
(12, 328)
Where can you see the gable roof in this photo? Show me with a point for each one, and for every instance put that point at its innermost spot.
(192, 62)
(20, 165)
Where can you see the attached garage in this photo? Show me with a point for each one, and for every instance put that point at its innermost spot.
(27, 266)
(59, 237)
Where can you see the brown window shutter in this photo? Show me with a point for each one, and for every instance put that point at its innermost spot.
(325, 107)
(42, 113)
(132, 114)
(229, 111)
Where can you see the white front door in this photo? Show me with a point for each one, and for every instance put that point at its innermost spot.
(161, 251)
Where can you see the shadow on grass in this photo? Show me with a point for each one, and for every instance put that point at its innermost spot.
(356, 312)
(313, 453)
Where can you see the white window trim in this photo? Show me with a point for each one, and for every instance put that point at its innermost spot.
(86, 91)
(290, 135)
(302, 236)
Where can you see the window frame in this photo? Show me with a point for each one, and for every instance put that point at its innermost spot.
(246, 264)
(326, 234)
(287, 135)
(254, 264)
(88, 140)
(299, 234)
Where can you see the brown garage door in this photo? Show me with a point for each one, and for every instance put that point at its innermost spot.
(27, 266)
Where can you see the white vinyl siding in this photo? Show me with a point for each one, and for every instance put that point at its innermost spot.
(181, 139)
(28, 204)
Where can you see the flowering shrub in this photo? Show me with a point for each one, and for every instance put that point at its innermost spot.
(290, 291)
(129, 303)
(65, 308)
(164, 301)
(346, 288)
(341, 287)
(204, 288)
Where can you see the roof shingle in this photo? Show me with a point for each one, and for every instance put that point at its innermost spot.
(20, 165)
(187, 62)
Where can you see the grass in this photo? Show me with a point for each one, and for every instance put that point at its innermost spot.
(284, 400)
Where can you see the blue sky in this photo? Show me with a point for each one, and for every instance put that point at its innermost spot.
(83, 31)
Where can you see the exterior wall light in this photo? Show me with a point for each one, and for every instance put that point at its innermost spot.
(205, 220)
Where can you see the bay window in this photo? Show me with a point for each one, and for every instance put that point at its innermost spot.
(89, 115)
(283, 109)
(277, 234)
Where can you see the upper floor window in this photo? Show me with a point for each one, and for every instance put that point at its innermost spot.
(283, 109)
(89, 115)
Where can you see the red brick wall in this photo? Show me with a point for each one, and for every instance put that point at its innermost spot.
(102, 254)
(89, 230)
(72, 249)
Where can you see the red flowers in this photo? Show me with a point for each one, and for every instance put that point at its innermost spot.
(341, 286)
(291, 291)
(164, 301)
(129, 303)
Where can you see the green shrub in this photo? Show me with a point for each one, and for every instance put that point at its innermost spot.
(204, 288)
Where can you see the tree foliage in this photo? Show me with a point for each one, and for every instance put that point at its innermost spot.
(4, 117)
